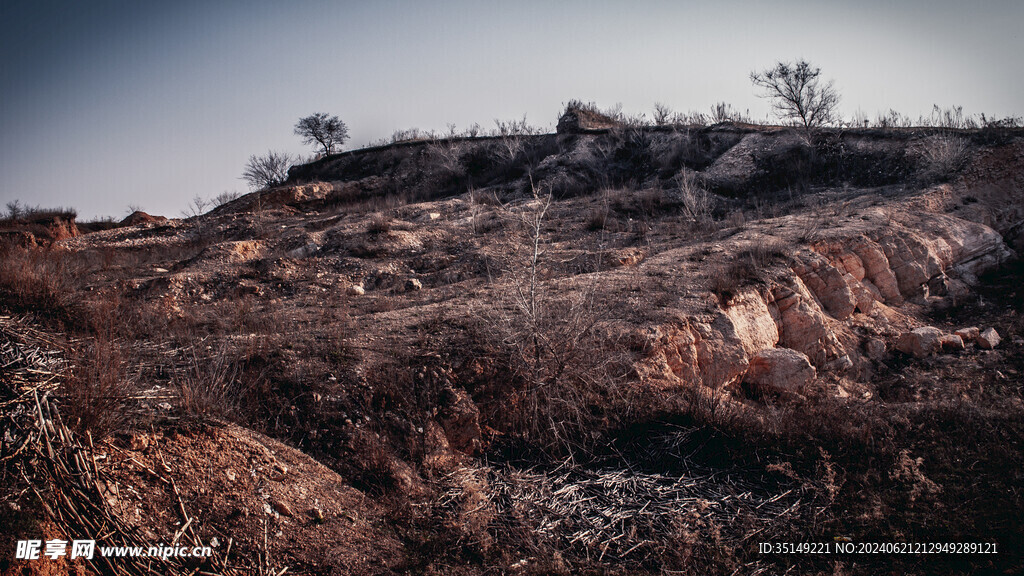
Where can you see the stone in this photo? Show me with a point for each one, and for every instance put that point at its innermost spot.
(780, 369)
(920, 342)
(282, 507)
(988, 339)
(802, 325)
(968, 334)
(413, 284)
(951, 343)
(303, 251)
(875, 349)
(355, 290)
(752, 322)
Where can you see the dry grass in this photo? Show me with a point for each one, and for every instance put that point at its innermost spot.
(37, 279)
(212, 384)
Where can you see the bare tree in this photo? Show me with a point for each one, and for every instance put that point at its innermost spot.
(798, 93)
(322, 130)
(267, 171)
(662, 114)
(14, 209)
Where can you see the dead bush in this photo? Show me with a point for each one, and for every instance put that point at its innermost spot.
(698, 203)
(597, 217)
(567, 376)
(942, 156)
(379, 224)
(210, 386)
(96, 393)
(37, 279)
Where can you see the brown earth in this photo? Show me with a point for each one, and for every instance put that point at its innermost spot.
(787, 336)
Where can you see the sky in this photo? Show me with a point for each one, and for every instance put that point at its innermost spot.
(107, 105)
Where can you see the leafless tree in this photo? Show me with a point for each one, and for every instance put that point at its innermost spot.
(267, 171)
(798, 94)
(322, 130)
(14, 209)
(662, 114)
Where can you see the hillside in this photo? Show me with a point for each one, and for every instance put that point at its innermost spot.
(612, 350)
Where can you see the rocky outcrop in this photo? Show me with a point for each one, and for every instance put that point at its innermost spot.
(802, 324)
(829, 285)
(758, 335)
(696, 352)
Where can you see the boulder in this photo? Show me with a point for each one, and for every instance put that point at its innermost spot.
(988, 339)
(920, 342)
(780, 370)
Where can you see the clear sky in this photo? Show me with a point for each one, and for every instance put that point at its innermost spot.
(106, 104)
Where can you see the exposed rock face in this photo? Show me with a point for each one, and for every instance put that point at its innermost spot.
(920, 342)
(827, 283)
(753, 322)
(780, 369)
(877, 273)
(811, 311)
(696, 352)
(802, 325)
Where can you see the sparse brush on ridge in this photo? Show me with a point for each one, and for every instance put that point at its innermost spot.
(267, 171)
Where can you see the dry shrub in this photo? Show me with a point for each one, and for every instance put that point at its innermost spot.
(698, 203)
(36, 279)
(211, 387)
(98, 389)
(597, 217)
(567, 375)
(942, 155)
(747, 267)
(379, 224)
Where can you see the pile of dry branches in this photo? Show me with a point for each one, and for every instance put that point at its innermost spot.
(620, 515)
(39, 455)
